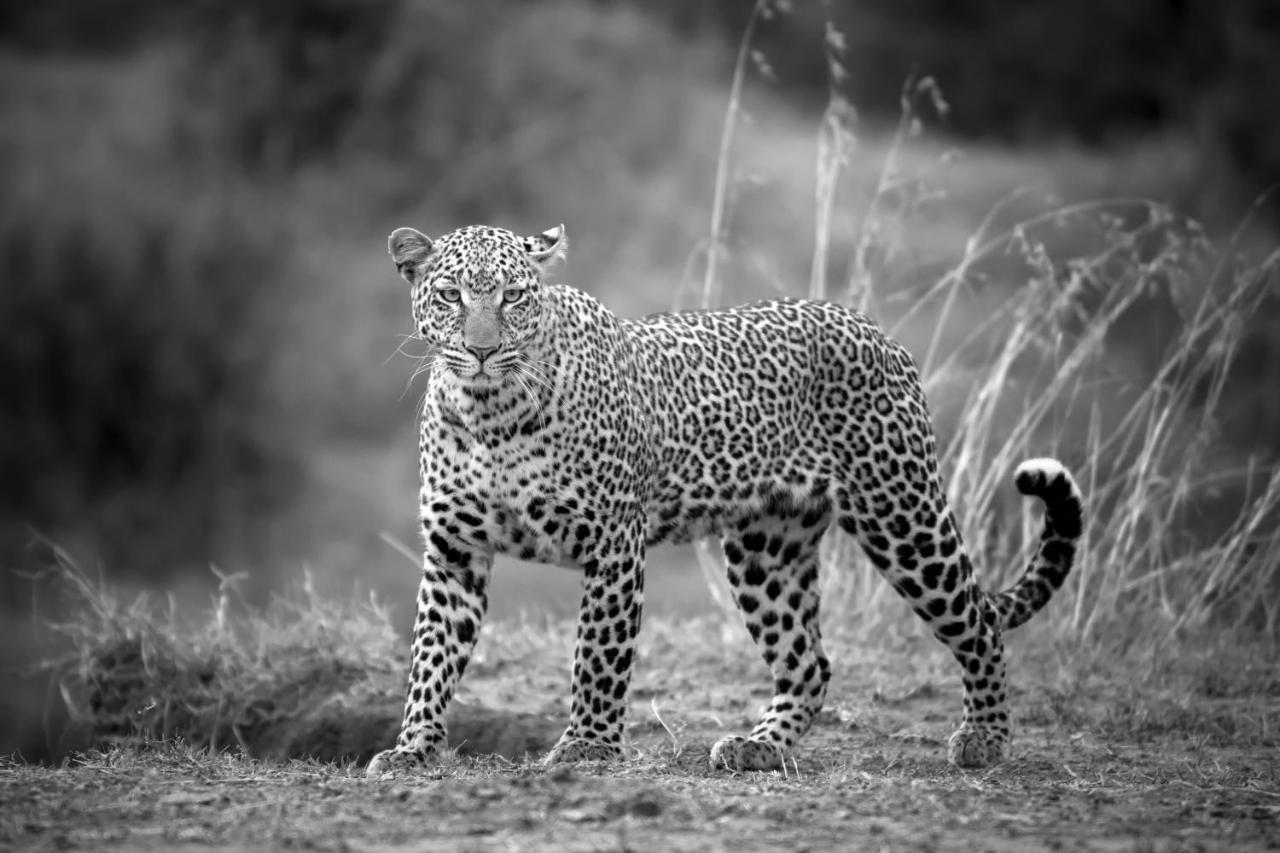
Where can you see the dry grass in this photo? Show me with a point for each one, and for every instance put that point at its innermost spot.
(305, 677)
(1121, 349)
(1183, 754)
(231, 679)
(310, 677)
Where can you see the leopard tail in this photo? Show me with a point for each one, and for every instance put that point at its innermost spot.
(1048, 480)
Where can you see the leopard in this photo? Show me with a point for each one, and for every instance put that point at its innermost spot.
(552, 430)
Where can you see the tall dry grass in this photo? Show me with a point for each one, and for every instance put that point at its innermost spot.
(306, 669)
(1115, 345)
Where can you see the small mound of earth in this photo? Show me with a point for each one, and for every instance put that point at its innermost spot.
(336, 731)
(327, 712)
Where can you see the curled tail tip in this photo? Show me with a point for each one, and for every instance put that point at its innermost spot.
(1049, 480)
(1045, 478)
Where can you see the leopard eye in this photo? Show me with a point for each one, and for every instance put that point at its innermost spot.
(449, 294)
(512, 296)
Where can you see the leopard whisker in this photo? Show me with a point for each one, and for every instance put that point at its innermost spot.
(530, 381)
(425, 364)
(542, 365)
(520, 377)
(530, 366)
(534, 376)
(400, 348)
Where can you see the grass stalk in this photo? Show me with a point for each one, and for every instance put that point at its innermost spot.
(724, 159)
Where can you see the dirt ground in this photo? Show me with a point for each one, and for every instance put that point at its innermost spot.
(1101, 763)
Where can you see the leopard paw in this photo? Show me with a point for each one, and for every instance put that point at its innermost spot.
(969, 747)
(737, 753)
(576, 750)
(396, 761)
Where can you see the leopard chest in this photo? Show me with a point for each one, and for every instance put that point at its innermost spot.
(533, 500)
(497, 467)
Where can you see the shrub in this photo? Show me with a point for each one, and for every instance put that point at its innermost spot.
(132, 338)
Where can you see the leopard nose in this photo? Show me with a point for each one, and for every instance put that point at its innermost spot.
(481, 353)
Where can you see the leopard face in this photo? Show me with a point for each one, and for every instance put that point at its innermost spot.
(478, 296)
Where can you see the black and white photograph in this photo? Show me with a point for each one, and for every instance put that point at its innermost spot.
(640, 425)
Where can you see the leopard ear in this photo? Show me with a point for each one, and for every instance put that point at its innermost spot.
(548, 247)
(409, 249)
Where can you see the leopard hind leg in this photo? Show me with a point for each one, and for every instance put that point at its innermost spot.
(772, 560)
(920, 553)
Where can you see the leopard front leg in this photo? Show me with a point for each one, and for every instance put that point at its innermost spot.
(608, 625)
(452, 600)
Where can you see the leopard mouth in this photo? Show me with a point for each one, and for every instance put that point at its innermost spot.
(510, 367)
(467, 369)
(480, 375)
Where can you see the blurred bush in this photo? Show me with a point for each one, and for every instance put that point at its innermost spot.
(131, 336)
(285, 78)
(1091, 71)
(155, 156)
(164, 161)
(265, 85)
(166, 164)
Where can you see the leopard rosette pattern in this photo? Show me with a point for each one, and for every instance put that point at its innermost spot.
(554, 431)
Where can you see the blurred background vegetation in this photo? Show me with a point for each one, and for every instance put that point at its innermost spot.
(199, 328)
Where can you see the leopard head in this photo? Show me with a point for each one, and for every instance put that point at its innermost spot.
(478, 295)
